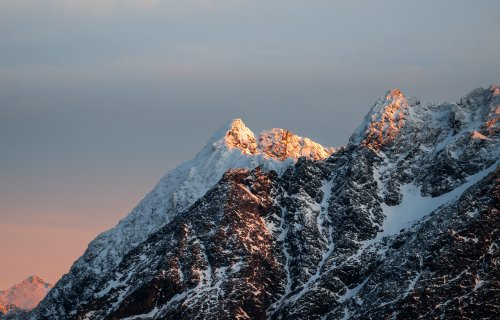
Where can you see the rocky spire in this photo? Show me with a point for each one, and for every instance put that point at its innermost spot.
(239, 136)
(384, 121)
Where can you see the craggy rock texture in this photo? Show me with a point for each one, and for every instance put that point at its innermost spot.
(217, 258)
(401, 223)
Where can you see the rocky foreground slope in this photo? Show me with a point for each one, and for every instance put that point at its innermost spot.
(401, 223)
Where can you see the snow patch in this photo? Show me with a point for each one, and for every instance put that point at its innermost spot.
(414, 206)
(350, 293)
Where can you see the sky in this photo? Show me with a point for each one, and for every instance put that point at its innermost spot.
(99, 98)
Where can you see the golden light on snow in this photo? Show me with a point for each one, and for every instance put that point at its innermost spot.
(275, 143)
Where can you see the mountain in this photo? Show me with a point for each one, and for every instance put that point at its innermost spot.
(232, 146)
(23, 296)
(401, 223)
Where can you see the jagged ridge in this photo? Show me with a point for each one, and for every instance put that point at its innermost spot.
(276, 143)
(403, 222)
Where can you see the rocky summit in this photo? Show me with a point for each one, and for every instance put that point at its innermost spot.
(401, 223)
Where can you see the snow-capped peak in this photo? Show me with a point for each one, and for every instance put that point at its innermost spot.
(232, 146)
(384, 121)
(26, 294)
(240, 137)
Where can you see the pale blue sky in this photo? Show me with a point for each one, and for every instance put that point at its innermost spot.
(99, 98)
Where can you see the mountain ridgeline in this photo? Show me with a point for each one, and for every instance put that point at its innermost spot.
(401, 223)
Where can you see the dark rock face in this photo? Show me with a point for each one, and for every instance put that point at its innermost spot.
(402, 223)
(217, 258)
(443, 268)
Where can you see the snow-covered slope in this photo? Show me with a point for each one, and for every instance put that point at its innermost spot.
(232, 146)
(401, 223)
(25, 295)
